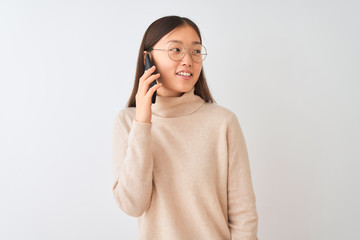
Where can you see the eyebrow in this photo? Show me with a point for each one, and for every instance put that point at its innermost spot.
(177, 41)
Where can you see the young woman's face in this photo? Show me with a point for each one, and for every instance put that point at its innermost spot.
(172, 72)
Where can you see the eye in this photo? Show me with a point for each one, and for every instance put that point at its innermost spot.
(175, 50)
(197, 51)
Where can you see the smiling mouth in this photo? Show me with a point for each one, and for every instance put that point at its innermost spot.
(185, 74)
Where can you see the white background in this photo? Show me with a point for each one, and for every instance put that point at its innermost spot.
(288, 69)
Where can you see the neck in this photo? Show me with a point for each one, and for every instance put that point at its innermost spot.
(171, 107)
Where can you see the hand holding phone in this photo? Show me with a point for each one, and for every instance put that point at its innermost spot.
(146, 93)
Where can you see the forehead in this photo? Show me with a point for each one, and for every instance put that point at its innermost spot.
(183, 34)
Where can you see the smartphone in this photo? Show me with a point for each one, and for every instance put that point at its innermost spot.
(148, 65)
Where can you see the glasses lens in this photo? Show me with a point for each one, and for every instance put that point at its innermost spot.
(177, 52)
(199, 53)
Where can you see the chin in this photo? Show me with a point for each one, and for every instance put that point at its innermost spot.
(185, 89)
(180, 87)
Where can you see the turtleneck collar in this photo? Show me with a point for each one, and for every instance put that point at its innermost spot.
(172, 107)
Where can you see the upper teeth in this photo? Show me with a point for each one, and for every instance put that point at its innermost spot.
(184, 74)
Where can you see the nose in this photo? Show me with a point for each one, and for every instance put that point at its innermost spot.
(187, 60)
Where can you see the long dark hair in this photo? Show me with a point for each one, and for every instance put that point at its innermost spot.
(152, 35)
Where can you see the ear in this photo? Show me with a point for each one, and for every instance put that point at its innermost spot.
(146, 52)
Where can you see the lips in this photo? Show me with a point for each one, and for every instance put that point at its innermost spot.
(184, 73)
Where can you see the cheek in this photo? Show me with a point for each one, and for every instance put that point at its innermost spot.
(161, 63)
(198, 70)
(166, 70)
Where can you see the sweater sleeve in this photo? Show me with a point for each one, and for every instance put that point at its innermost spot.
(132, 165)
(243, 219)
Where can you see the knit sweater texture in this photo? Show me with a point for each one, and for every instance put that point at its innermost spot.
(186, 175)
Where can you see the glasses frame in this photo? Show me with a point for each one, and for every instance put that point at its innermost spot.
(184, 48)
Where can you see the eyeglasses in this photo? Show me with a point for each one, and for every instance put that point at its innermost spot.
(177, 51)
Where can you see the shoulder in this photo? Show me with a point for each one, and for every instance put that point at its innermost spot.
(126, 112)
(125, 115)
(219, 112)
(222, 117)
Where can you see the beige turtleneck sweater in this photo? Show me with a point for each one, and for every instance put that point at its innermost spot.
(186, 175)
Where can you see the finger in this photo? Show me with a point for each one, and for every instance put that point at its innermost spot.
(146, 74)
(145, 85)
(151, 79)
(153, 89)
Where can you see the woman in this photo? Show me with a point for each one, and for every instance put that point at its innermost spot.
(181, 164)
